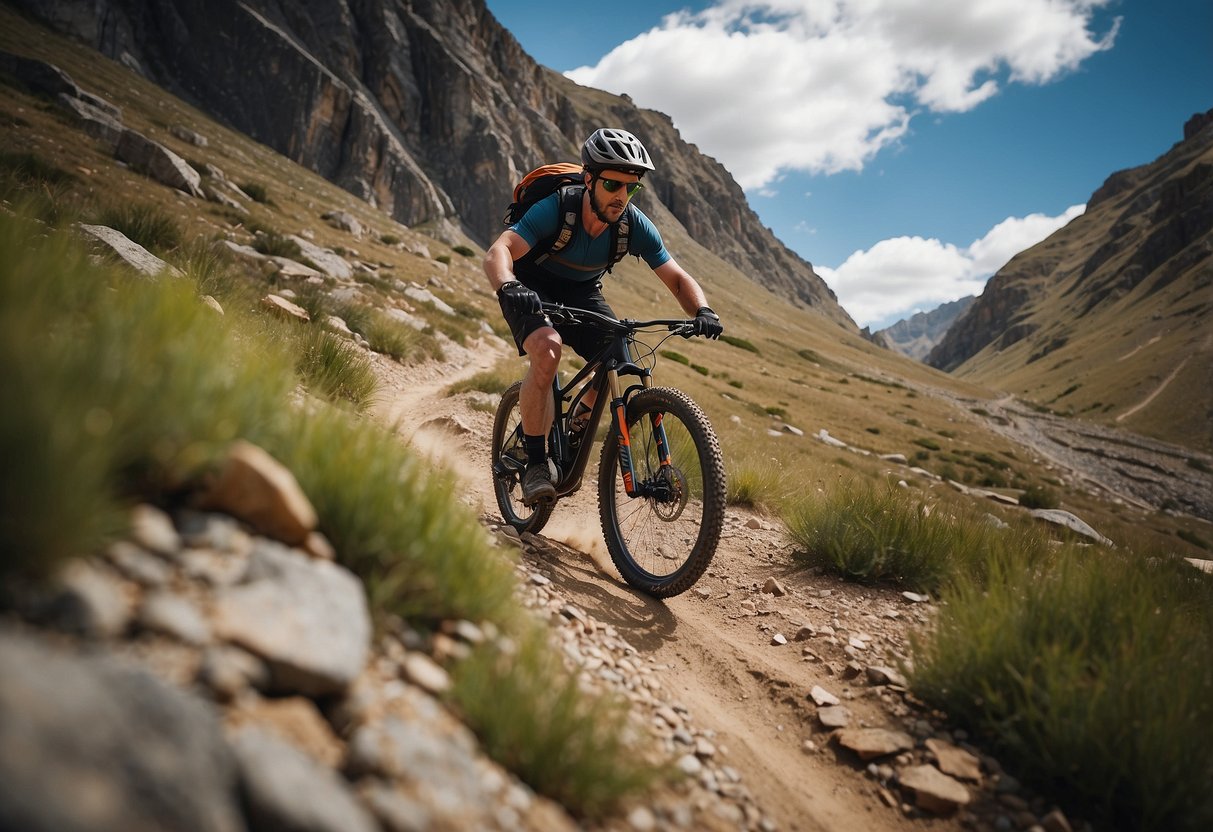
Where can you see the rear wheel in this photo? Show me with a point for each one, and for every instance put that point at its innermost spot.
(662, 541)
(509, 461)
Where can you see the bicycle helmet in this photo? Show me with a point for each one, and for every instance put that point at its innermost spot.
(608, 148)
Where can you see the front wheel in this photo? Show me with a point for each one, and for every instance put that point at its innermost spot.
(663, 540)
(509, 461)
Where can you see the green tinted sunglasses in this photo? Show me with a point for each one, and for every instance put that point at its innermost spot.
(612, 185)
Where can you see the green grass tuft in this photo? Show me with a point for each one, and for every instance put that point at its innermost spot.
(881, 533)
(1092, 674)
(148, 225)
(740, 343)
(532, 716)
(334, 368)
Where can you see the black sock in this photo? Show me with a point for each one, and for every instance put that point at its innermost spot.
(536, 449)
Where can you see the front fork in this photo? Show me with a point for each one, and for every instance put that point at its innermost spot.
(619, 409)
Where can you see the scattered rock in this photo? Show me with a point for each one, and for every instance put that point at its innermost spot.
(834, 716)
(256, 488)
(158, 162)
(774, 587)
(933, 790)
(955, 761)
(284, 308)
(821, 696)
(130, 252)
(870, 743)
(885, 676)
(1065, 519)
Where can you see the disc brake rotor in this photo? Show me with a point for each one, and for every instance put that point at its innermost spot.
(672, 494)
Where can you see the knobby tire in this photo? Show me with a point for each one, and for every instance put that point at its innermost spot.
(662, 545)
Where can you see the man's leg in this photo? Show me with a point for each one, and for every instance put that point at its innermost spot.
(537, 409)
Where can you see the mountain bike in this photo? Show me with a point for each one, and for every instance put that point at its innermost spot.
(661, 478)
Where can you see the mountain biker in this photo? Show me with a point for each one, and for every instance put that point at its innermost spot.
(613, 161)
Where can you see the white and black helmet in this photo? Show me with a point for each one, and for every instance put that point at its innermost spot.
(613, 149)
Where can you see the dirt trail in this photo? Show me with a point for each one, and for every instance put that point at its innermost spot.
(714, 643)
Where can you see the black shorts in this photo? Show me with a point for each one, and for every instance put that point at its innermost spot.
(585, 339)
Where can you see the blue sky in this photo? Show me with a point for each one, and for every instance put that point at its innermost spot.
(906, 148)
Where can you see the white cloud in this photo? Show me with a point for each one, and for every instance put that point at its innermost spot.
(897, 277)
(822, 85)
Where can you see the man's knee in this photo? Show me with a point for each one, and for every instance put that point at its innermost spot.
(543, 347)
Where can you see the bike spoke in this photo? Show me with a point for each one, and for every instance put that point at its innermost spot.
(663, 539)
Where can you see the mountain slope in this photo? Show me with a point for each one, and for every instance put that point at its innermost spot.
(429, 110)
(1111, 317)
(917, 335)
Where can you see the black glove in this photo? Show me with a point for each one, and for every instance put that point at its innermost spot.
(519, 298)
(707, 323)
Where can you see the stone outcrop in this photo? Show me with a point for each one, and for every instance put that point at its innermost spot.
(429, 110)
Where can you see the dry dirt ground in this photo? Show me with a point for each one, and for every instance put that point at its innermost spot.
(716, 644)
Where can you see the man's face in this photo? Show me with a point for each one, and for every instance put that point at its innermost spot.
(612, 190)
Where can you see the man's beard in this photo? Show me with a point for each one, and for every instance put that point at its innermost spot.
(600, 210)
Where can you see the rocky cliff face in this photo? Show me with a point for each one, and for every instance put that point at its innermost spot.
(429, 109)
(1144, 228)
(917, 335)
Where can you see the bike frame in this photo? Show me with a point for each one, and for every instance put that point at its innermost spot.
(602, 373)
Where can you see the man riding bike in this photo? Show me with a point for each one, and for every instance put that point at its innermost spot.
(613, 161)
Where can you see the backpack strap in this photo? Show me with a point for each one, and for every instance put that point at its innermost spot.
(570, 211)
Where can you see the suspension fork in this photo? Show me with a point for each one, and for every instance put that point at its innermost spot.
(619, 411)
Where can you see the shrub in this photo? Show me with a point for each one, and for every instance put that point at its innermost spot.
(335, 369)
(531, 716)
(389, 239)
(444, 259)
(756, 482)
(740, 343)
(929, 444)
(463, 251)
(399, 340)
(113, 387)
(148, 225)
(489, 381)
(873, 533)
(41, 190)
(273, 244)
(702, 370)
(1057, 665)
(1039, 496)
(256, 191)
(676, 356)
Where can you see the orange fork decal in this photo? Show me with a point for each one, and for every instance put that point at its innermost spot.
(625, 449)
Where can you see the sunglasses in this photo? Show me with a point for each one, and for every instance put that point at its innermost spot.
(612, 185)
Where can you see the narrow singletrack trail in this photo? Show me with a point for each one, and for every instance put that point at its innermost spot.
(713, 644)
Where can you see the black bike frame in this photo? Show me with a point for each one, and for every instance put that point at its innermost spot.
(602, 374)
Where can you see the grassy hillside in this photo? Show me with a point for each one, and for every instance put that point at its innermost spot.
(1116, 316)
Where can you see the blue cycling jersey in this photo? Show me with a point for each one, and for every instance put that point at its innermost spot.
(585, 258)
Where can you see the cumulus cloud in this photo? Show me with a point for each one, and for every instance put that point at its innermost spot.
(822, 85)
(897, 277)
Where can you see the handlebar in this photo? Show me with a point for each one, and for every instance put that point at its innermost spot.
(573, 315)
